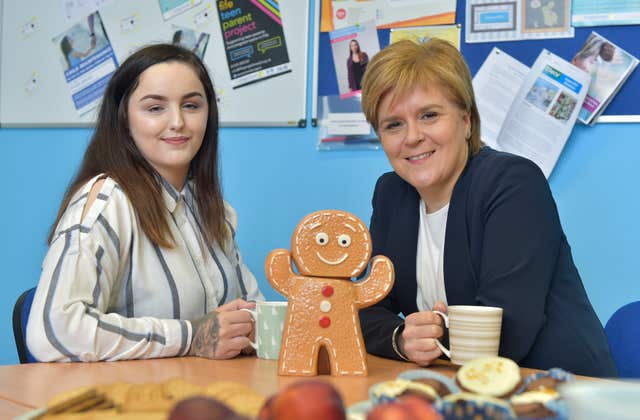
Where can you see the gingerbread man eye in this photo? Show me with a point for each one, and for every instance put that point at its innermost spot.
(322, 238)
(344, 240)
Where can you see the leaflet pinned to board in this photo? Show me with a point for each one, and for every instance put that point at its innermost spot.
(88, 61)
(449, 33)
(387, 13)
(254, 40)
(605, 12)
(544, 103)
(351, 48)
(609, 66)
(172, 8)
(500, 20)
(73, 10)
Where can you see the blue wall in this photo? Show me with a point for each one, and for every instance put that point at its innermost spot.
(273, 177)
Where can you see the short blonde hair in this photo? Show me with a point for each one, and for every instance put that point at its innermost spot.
(405, 65)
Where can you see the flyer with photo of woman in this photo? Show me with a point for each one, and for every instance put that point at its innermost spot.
(352, 48)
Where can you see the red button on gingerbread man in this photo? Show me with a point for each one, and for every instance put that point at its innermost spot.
(329, 248)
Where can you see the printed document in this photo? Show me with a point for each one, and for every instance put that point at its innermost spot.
(544, 111)
(496, 85)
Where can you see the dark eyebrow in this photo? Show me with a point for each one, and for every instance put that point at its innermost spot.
(388, 119)
(164, 98)
(426, 108)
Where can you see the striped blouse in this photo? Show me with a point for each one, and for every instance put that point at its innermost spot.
(108, 293)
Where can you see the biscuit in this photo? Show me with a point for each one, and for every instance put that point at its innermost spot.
(222, 389)
(116, 392)
(81, 400)
(246, 404)
(121, 400)
(240, 398)
(442, 389)
(109, 415)
(146, 397)
(544, 382)
(68, 398)
(491, 376)
(531, 404)
(86, 415)
(390, 390)
(179, 389)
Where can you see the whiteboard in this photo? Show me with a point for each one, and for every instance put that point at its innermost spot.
(34, 93)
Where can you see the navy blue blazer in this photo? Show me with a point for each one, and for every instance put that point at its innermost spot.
(504, 247)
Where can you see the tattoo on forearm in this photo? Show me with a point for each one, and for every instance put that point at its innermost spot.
(205, 336)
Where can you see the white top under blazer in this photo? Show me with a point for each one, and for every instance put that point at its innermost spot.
(430, 257)
(108, 293)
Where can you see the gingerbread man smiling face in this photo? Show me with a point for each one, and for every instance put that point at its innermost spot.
(331, 244)
(329, 247)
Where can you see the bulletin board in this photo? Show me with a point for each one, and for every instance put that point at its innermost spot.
(624, 107)
(34, 92)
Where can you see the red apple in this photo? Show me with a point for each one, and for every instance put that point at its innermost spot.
(266, 411)
(390, 411)
(202, 408)
(406, 407)
(307, 400)
(420, 408)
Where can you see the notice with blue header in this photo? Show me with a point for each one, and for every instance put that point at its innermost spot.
(509, 20)
(605, 12)
(254, 40)
(88, 61)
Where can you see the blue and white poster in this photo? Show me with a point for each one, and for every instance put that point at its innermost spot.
(88, 61)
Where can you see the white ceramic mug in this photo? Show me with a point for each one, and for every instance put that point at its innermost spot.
(269, 321)
(474, 331)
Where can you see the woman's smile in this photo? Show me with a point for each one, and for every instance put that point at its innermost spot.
(421, 156)
(176, 140)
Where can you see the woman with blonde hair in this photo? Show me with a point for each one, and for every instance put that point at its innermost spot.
(465, 224)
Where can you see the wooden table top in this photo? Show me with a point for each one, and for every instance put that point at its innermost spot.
(28, 386)
(9, 409)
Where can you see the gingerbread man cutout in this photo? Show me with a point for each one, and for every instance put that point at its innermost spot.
(329, 248)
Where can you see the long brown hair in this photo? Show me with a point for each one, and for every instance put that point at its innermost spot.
(361, 55)
(113, 152)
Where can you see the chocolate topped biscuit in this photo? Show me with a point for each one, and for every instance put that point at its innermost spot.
(438, 386)
(533, 410)
(544, 382)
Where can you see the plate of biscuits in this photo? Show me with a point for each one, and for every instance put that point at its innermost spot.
(484, 388)
(175, 398)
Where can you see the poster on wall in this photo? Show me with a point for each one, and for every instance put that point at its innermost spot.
(605, 12)
(171, 8)
(449, 33)
(87, 59)
(253, 39)
(510, 20)
(194, 41)
(390, 13)
(352, 48)
(73, 10)
(609, 67)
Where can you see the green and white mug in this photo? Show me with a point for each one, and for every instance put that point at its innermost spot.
(269, 321)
